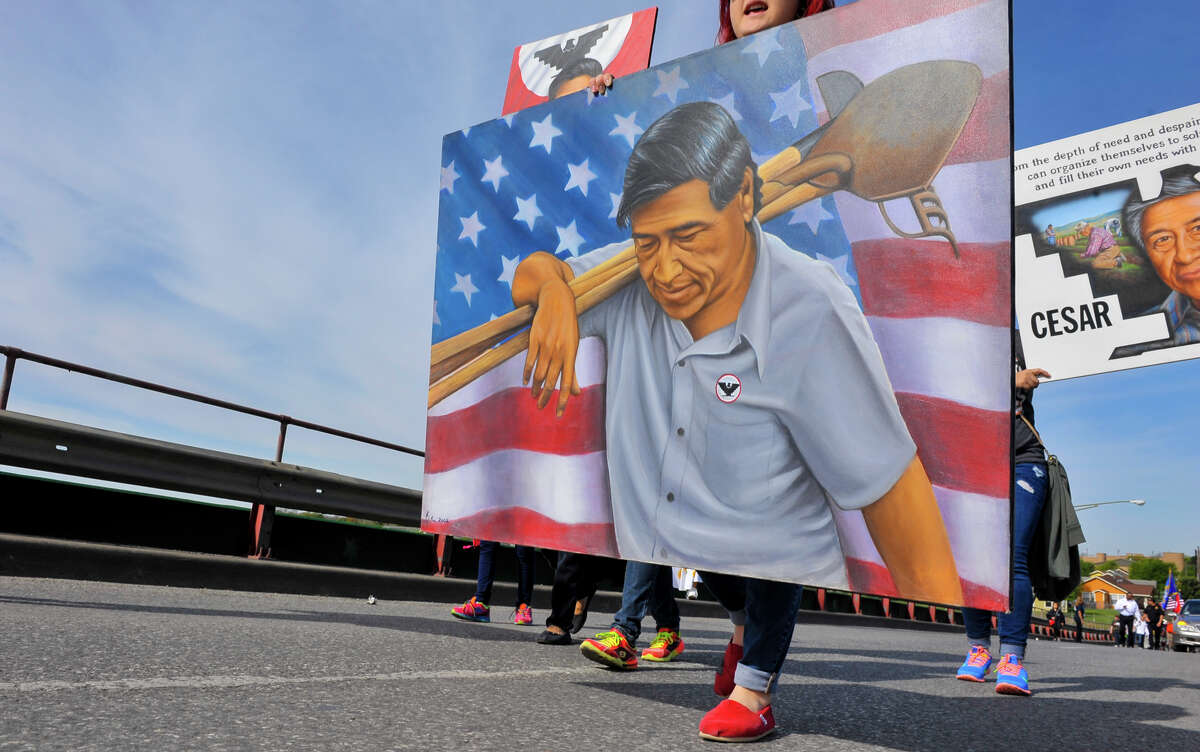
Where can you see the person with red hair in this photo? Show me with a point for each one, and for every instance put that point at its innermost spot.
(740, 18)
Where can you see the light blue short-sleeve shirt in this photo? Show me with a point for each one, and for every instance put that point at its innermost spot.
(726, 453)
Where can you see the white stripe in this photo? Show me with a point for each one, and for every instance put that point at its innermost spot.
(976, 196)
(977, 374)
(976, 525)
(589, 370)
(971, 35)
(233, 682)
(570, 489)
(978, 528)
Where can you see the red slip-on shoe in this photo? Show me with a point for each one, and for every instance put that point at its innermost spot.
(723, 683)
(731, 721)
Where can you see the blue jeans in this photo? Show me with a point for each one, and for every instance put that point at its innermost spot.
(487, 571)
(1029, 494)
(647, 587)
(768, 611)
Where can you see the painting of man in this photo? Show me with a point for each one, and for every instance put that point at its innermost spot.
(745, 391)
(760, 296)
(1167, 229)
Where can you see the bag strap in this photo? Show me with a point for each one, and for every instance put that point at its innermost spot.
(1035, 432)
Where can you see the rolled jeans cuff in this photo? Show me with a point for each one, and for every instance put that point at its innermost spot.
(754, 678)
(738, 618)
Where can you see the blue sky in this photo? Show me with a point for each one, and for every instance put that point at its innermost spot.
(241, 200)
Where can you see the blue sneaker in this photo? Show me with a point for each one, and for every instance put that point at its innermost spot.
(975, 667)
(1011, 678)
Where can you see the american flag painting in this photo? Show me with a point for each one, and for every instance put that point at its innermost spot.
(550, 178)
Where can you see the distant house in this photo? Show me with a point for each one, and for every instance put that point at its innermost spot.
(1103, 589)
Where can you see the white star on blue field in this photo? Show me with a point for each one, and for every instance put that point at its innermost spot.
(550, 178)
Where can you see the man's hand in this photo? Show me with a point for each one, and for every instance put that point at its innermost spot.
(542, 280)
(1030, 378)
(599, 84)
(553, 342)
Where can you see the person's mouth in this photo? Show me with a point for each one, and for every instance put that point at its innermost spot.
(754, 9)
(676, 292)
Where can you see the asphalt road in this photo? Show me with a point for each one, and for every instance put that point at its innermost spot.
(94, 665)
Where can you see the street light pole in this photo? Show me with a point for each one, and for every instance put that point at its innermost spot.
(1135, 502)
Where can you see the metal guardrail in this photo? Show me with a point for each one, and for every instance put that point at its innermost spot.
(55, 446)
(40, 443)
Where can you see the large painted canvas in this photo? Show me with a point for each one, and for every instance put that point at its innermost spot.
(803, 379)
(1108, 246)
(618, 46)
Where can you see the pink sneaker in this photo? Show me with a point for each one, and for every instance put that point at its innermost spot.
(523, 615)
(472, 610)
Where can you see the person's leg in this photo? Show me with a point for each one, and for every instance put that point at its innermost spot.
(979, 660)
(978, 626)
(476, 609)
(636, 595)
(563, 594)
(1078, 630)
(585, 587)
(662, 601)
(770, 609)
(730, 592)
(1029, 494)
(487, 570)
(667, 644)
(525, 573)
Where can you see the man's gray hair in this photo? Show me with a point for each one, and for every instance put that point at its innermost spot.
(1176, 181)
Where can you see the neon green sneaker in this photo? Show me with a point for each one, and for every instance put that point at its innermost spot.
(667, 644)
(611, 649)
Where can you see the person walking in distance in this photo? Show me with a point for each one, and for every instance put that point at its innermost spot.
(1079, 613)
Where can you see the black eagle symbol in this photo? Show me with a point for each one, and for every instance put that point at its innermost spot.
(729, 387)
(560, 57)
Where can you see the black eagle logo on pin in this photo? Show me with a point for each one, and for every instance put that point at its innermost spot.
(729, 388)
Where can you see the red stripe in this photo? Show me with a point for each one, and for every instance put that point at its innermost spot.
(963, 448)
(924, 279)
(875, 579)
(518, 96)
(529, 528)
(857, 21)
(509, 419)
(986, 135)
(634, 55)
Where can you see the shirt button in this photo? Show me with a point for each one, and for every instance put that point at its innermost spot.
(679, 431)
(679, 364)
(670, 497)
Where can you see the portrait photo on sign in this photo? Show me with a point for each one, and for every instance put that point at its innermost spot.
(748, 312)
(1108, 247)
